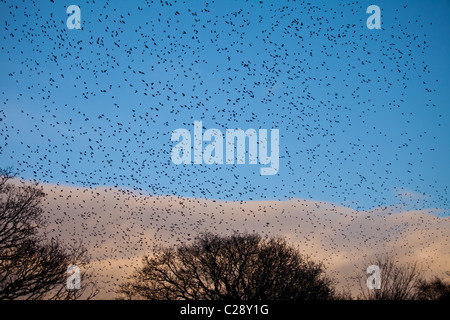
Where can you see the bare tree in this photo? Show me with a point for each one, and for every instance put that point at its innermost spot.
(398, 282)
(239, 267)
(31, 266)
(435, 289)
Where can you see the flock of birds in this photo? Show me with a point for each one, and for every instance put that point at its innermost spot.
(96, 107)
(119, 227)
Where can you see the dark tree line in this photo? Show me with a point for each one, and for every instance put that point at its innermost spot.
(435, 289)
(249, 267)
(237, 267)
(404, 282)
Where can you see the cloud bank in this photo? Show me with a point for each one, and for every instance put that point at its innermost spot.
(119, 227)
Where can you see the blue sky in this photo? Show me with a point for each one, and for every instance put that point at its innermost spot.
(362, 113)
